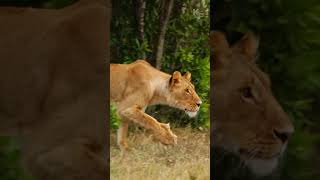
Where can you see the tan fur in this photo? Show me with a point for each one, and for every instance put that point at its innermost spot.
(53, 78)
(135, 86)
(248, 120)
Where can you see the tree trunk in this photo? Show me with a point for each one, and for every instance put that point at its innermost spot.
(164, 19)
(176, 42)
(140, 11)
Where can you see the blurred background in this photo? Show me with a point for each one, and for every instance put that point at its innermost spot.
(289, 52)
(10, 155)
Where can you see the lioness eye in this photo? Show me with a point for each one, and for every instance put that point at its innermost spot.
(188, 90)
(247, 92)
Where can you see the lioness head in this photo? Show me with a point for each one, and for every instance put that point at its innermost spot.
(182, 93)
(248, 120)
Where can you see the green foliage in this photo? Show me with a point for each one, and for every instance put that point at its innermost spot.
(114, 117)
(185, 49)
(289, 52)
(10, 165)
(189, 33)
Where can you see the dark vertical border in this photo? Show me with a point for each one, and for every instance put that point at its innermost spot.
(211, 91)
(109, 12)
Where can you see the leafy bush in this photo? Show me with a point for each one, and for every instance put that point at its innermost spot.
(114, 117)
(189, 32)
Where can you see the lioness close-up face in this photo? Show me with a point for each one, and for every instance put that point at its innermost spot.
(248, 120)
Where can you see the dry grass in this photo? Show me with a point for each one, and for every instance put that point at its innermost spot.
(150, 160)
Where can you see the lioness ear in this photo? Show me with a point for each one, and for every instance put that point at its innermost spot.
(175, 78)
(219, 48)
(218, 41)
(248, 45)
(187, 76)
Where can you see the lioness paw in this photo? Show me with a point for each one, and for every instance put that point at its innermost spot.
(165, 135)
(123, 146)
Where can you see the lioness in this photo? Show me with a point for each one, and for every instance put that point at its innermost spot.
(53, 78)
(248, 120)
(135, 86)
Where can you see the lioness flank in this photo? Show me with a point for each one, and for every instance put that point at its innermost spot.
(135, 86)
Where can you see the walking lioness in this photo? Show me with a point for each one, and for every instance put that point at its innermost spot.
(135, 86)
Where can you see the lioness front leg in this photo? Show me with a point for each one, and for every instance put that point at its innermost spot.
(162, 131)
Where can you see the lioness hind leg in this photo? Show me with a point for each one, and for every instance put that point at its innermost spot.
(122, 135)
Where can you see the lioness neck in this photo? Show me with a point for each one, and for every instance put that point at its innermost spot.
(161, 93)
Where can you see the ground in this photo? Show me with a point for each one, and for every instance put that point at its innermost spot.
(150, 160)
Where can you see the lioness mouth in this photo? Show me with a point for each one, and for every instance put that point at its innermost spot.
(259, 163)
(262, 167)
(191, 113)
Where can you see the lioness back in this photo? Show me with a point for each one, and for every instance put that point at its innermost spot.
(127, 78)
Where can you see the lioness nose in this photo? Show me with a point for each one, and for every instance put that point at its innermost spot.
(199, 103)
(282, 135)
